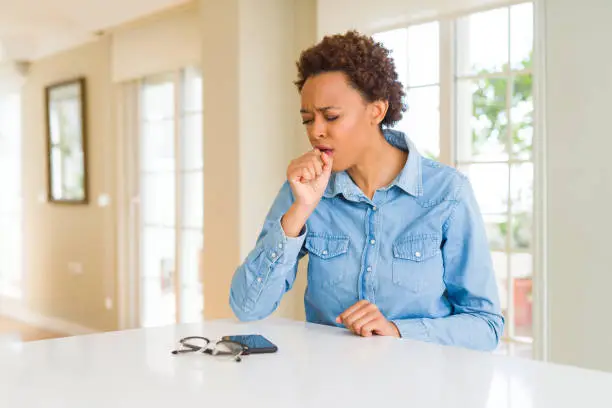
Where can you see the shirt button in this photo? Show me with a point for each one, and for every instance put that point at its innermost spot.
(273, 254)
(372, 241)
(280, 246)
(417, 254)
(259, 280)
(374, 208)
(369, 269)
(325, 252)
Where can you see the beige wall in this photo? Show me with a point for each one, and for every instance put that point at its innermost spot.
(55, 235)
(251, 128)
(251, 117)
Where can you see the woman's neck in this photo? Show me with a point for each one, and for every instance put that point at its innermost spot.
(378, 166)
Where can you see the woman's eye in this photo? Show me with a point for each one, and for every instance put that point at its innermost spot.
(331, 118)
(306, 121)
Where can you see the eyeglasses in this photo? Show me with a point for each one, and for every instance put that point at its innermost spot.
(197, 344)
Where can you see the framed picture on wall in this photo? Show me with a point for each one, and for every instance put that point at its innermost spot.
(66, 125)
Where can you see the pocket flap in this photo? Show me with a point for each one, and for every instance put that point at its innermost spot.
(327, 246)
(417, 248)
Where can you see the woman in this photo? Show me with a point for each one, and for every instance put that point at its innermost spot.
(396, 243)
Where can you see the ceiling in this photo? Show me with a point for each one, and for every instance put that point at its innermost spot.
(31, 29)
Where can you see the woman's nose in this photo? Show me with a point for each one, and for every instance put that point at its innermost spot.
(318, 129)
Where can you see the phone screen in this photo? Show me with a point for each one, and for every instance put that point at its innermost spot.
(254, 342)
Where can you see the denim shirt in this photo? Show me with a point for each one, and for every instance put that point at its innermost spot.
(418, 250)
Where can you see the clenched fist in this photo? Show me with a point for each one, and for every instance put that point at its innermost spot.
(308, 176)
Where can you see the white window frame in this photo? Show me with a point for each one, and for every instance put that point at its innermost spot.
(447, 83)
(132, 222)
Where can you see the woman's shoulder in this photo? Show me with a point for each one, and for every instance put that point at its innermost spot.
(441, 182)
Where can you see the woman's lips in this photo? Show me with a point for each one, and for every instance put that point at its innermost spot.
(326, 150)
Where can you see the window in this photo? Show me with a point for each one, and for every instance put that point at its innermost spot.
(494, 132)
(416, 52)
(171, 198)
(10, 191)
(490, 122)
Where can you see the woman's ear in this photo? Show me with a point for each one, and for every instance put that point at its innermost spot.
(378, 110)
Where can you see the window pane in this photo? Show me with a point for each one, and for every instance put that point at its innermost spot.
(10, 254)
(192, 298)
(522, 225)
(157, 249)
(422, 120)
(521, 35)
(190, 257)
(423, 54)
(192, 142)
(192, 304)
(522, 265)
(482, 42)
(500, 266)
(157, 146)
(10, 196)
(396, 41)
(193, 199)
(522, 272)
(158, 305)
(10, 180)
(522, 117)
(158, 98)
(192, 90)
(523, 305)
(482, 120)
(490, 184)
(158, 203)
(496, 227)
(521, 182)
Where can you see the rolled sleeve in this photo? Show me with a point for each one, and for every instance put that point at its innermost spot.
(270, 268)
(279, 248)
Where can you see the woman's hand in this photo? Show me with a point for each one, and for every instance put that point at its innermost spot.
(308, 176)
(365, 319)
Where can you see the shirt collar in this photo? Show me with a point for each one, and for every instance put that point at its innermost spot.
(410, 179)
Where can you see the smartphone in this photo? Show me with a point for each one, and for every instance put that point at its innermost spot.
(254, 343)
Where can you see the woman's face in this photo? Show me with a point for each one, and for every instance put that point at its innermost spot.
(338, 119)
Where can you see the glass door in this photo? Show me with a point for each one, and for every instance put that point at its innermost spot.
(171, 198)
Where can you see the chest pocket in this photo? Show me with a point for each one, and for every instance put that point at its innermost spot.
(327, 258)
(417, 261)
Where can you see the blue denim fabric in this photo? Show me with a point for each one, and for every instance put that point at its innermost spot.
(418, 250)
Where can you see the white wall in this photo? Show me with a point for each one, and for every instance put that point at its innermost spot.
(578, 89)
(334, 16)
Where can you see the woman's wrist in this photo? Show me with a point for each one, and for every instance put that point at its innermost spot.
(294, 219)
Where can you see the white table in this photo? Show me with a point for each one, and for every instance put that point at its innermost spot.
(316, 366)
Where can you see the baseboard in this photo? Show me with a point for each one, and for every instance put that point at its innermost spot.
(14, 309)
